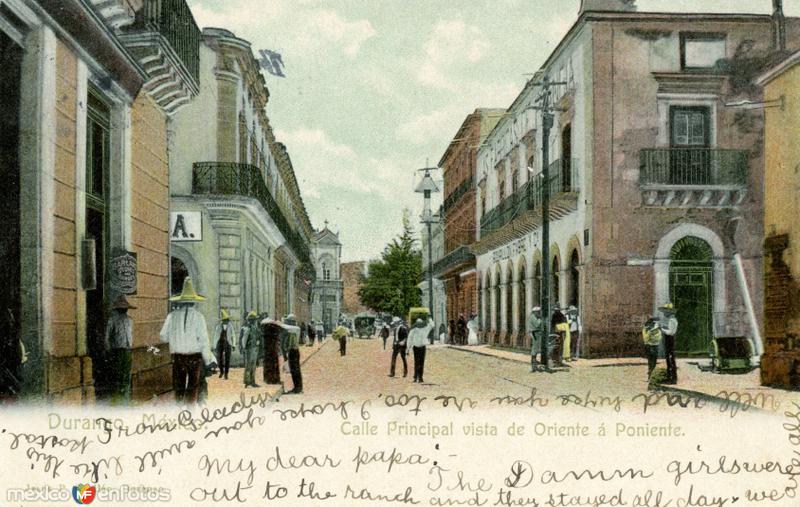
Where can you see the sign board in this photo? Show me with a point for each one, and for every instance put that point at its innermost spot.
(123, 272)
(186, 226)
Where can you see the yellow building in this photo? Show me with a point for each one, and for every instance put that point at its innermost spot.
(780, 363)
(86, 213)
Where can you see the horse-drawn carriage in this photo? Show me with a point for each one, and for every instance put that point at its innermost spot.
(365, 325)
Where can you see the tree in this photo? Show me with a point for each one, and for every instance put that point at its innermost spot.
(392, 283)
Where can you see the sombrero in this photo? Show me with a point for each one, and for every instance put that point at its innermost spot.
(668, 306)
(188, 294)
(252, 315)
(121, 303)
(225, 315)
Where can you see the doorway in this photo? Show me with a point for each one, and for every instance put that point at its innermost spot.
(10, 305)
(691, 292)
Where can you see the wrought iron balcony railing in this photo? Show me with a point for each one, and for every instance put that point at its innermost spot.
(458, 193)
(563, 178)
(453, 258)
(228, 178)
(693, 167)
(173, 19)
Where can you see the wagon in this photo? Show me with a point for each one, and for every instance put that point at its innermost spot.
(365, 325)
(731, 354)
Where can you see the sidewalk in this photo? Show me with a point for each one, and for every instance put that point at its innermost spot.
(691, 379)
(222, 391)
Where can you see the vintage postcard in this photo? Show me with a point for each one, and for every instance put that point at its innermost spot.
(537, 253)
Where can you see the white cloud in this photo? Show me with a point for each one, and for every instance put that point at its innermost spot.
(334, 28)
(425, 127)
(452, 45)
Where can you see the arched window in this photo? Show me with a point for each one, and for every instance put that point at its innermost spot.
(179, 273)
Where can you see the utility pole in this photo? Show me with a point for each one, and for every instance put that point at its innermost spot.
(426, 187)
(547, 123)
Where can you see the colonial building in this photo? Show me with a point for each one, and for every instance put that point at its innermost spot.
(652, 165)
(352, 275)
(456, 267)
(238, 226)
(89, 87)
(780, 363)
(328, 289)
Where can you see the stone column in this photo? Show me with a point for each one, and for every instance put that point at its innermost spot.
(503, 309)
(514, 310)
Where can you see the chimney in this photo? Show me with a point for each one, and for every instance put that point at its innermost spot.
(607, 6)
(778, 26)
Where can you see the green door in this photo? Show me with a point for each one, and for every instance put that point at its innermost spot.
(691, 291)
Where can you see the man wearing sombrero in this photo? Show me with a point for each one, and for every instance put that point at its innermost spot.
(669, 327)
(118, 342)
(185, 331)
(224, 335)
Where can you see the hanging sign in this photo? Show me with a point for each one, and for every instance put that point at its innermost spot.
(123, 272)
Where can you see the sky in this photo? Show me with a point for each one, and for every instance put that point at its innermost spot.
(376, 89)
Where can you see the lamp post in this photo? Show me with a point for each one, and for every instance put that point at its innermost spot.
(547, 124)
(426, 187)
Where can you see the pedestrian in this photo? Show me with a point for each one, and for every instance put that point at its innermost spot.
(271, 331)
(340, 333)
(558, 323)
(385, 334)
(293, 353)
(250, 338)
(418, 339)
(472, 330)
(669, 327)
(461, 330)
(118, 343)
(651, 334)
(185, 331)
(575, 331)
(399, 346)
(312, 334)
(303, 336)
(223, 337)
(452, 330)
(535, 330)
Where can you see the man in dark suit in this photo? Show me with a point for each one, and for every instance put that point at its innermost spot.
(399, 346)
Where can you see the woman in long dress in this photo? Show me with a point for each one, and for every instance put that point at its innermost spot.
(472, 327)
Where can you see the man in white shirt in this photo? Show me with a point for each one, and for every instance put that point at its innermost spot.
(418, 339)
(185, 331)
(669, 328)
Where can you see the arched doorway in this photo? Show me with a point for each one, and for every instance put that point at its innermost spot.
(179, 272)
(555, 293)
(496, 314)
(691, 289)
(522, 314)
(537, 284)
(573, 296)
(509, 302)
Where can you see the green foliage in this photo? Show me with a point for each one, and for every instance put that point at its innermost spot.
(391, 285)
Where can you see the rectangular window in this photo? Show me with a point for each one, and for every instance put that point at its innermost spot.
(701, 51)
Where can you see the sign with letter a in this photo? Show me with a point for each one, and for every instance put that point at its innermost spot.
(186, 226)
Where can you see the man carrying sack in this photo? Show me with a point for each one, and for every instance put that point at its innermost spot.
(669, 327)
(651, 335)
(185, 331)
(249, 344)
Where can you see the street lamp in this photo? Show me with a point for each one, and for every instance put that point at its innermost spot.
(426, 187)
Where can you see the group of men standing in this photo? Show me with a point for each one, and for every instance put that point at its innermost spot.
(564, 341)
(418, 338)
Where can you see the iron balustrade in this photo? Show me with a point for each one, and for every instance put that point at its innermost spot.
(563, 180)
(229, 178)
(453, 258)
(458, 193)
(693, 167)
(174, 21)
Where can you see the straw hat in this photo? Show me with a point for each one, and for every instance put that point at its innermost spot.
(668, 306)
(252, 314)
(188, 294)
(225, 315)
(121, 303)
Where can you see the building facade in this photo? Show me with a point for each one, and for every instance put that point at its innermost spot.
(656, 182)
(237, 226)
(328, 290)
(456, 267)
(352, 275)
(88, 207)
(780, 363)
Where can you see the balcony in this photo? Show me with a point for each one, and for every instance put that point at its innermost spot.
(460, 257)
(227, 178)
(563, 180)
(165, 40)
(115, 13)
(461, 190)
(693, 177)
